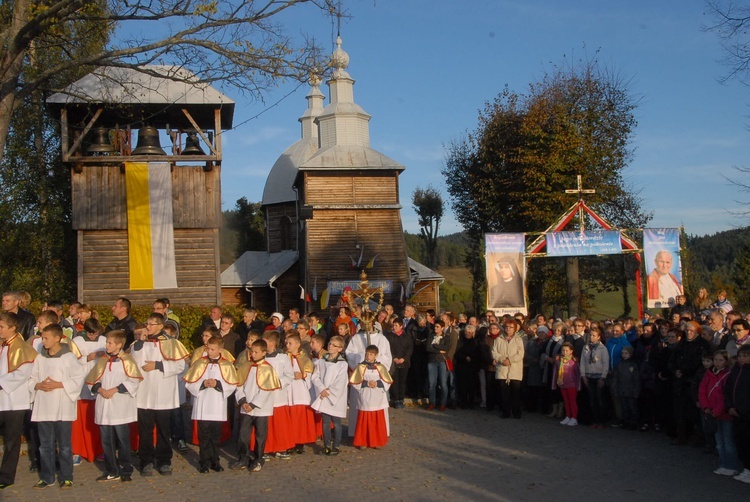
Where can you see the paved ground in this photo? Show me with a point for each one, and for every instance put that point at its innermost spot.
(453, 455)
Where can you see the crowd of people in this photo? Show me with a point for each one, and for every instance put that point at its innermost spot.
(79, 391)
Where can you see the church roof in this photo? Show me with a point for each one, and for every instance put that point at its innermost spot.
(258, 268)
(156, 91)
(350, 157)
(280, 180)
(424, 273)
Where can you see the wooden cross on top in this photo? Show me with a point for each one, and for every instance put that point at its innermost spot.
(580, 190)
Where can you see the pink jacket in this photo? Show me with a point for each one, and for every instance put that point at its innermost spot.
(711, 393)
(571, 375)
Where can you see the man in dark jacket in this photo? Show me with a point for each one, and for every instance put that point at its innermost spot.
(402, 346)
(122, 320)
(684, 364)
(26, 320)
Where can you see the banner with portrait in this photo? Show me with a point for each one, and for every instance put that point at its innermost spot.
(661, 253)
(506, 273)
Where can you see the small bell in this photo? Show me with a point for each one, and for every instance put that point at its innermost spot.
(100, 144)
(192, 145)
(148, 142)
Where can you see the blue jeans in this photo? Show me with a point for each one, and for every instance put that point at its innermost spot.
(725, 445)
(116, 438)
(53, 434)
(434, 371)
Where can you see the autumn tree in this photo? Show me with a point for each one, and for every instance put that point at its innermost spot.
(428, 204)
(510, 174)
(239, 43)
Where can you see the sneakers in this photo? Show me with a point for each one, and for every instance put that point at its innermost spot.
(126, 478)
(108, 477)
(165, 470)
(182, 445)
(721, 471)
(256, 467)
(744, 476)
(573, 422)
(203, 469)
(566, 421)
(66, 484)
(283, 455)
(442, 408)
(147, 470)
(238, 465)
(267, 456)
(431, 407)
(216, 467)
(41, 484)
(3, 486)
(77, 460)
(334, 451)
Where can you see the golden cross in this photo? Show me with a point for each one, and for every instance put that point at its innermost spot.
(580, 191)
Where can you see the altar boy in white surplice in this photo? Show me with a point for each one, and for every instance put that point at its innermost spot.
(210, 380)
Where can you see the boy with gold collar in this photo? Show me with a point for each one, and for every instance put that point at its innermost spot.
(161, 360)
(257, 383)
(114, 381)
(211, 380)
(331, 380)
(372, 381)
(16, 363)
(303, 419)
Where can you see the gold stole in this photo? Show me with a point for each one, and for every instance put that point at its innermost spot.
(129, 366)
(265, 377)
(359, 374)
(171, 349)
(198, 353)
(306, 366)
(19, 353)
(198, 368)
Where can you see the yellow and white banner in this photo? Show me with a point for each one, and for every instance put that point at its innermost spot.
(150, 227)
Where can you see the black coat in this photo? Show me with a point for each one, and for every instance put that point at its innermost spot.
(402, 346)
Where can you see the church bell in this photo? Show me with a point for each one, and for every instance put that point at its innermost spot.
(100, 144)
(148, 142)
(193, 145)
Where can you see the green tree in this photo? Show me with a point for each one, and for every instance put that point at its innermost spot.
(35, 204)
(510, 175)
(247, 220)
(428, 204)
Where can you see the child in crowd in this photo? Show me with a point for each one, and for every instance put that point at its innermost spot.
(317, 344)
(16, 364)
(114, 381)
(372, 381)
(628, 387)
(85, 436)
(257, 381)
(707, 423)
(211, 380)
(594, 367)
(279, 438)
(298, 392)
(567, 378)
(737, 402)
(711, 398)
(331, 379)
(55, 384)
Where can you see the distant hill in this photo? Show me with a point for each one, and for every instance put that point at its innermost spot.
(719, 261)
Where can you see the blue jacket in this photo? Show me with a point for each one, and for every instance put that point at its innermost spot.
(614, 347)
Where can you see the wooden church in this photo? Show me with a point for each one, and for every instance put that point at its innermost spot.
(332, 209)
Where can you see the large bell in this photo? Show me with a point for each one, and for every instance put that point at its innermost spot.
(148, 142)
(193, 145)
(100, 144)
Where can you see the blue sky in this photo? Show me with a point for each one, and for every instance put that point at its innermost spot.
(423, 69)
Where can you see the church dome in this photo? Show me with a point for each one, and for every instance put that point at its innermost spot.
(280, 180)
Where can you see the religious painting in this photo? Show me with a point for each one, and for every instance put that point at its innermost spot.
(661, 250)
(506, 273)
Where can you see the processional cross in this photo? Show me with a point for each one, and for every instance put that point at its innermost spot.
(580, 191)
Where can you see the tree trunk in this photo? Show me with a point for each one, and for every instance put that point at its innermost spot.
(574, 286)
(624, 287)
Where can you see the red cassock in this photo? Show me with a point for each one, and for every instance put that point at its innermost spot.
(85, 438)
(372, 429)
